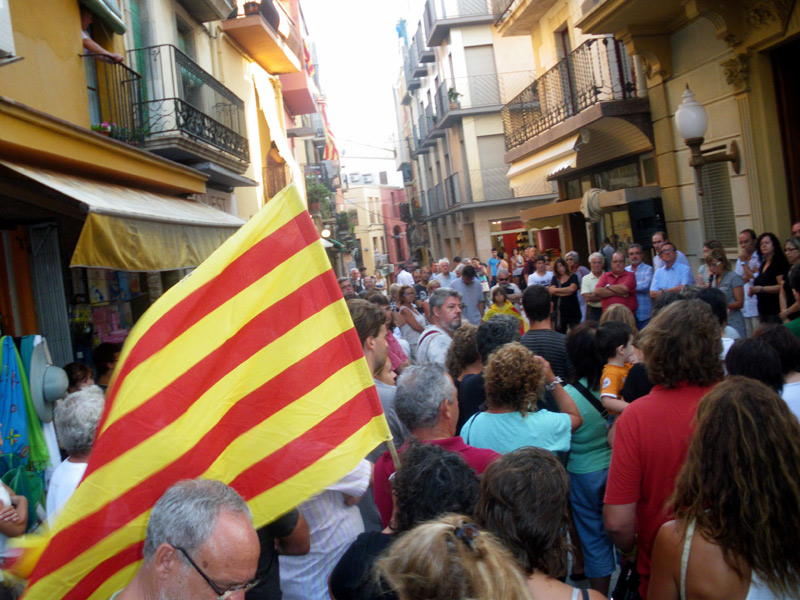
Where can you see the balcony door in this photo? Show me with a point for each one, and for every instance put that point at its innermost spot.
(482, 77)
(566, 68)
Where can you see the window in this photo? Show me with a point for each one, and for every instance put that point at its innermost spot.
(716, 205)
(623, 176)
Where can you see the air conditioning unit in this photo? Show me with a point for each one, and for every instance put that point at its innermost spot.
(6, 33)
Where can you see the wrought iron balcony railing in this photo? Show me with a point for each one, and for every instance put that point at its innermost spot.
(115, 107)
(177, 95)
(477, 94)
(598, 70)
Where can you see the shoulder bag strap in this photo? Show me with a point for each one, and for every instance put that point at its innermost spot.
(591, 398)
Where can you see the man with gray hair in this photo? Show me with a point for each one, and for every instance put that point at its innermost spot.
(76, 419)
(594, 308)
(427, 403)
(444, 276)
(434, 341)
(200, 535)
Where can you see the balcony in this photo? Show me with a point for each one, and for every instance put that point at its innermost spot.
(441, 15)
(188, 115)
(426, 139)
(518, 17)
(453, 190)
(597, 72)
(299, 93)
(114, 98)
(412, 82)
(421, 55)
(484, 185)
(275, 44)
(208, 10)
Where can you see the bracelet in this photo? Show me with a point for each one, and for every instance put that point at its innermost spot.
(628, 554)
(551, 386)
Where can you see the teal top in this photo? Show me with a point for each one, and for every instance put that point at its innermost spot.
(505, 432)
(590, 450)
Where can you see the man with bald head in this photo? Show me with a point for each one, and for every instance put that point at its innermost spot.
(200, 543)
(617, 286)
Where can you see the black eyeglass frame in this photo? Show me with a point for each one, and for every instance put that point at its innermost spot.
(221, 594)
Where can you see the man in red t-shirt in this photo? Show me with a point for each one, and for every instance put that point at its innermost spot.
(652, 435)
(427, 403)
(617, 286)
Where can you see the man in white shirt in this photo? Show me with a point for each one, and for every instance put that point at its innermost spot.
(445, 305)
(444, 276)
(405, 277)
(541, 276)
(659, 238)
(747, 266)
(594, 306)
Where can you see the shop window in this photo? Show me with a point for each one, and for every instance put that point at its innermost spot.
(647, 167)
(574, 188)
(716, 205)
(623, 176)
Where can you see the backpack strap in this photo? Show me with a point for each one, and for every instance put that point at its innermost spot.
(591, 398)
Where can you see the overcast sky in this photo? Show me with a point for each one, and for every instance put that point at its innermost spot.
(359, 61)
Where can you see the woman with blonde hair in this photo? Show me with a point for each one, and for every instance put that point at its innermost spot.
(722, 277)
(620, 312)
(451, 559)
(412, 322)
(736, 502)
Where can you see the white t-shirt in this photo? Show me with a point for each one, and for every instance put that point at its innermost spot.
(536, 279)
(791, 395)
(63, 483)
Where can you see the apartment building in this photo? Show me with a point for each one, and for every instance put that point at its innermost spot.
(738, 58)
(126, 162)
(458, 72)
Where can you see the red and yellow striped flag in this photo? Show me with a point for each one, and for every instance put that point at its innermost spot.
(248, 371)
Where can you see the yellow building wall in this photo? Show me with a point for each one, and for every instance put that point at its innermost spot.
(51, 78)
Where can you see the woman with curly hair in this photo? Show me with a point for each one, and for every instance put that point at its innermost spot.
(768, 284)
(681, 348)
(513, 377)
(451, 559)
(462, 356)
(523, 501)
(736, 502)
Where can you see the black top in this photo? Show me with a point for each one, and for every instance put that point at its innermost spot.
(769, 304)
(568, 305)
(471, 398)
(637, 384)
(352, 577)
(552, 346)
(269, 587)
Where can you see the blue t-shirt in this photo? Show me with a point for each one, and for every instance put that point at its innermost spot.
(493, 262)
(505, 432)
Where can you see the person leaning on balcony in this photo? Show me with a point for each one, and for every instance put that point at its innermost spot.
(89, 45)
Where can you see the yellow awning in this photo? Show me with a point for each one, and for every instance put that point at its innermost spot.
(528, 176)
(134, 230)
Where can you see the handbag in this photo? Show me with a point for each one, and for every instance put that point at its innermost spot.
(627, 587)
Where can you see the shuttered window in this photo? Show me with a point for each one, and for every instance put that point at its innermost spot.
(719, 222)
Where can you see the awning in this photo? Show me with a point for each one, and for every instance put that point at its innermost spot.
(134, 230)
(108, 12)
(528, 177)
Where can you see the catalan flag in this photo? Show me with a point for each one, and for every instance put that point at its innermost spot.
(330, 152)
(248, 371)
(309, 62)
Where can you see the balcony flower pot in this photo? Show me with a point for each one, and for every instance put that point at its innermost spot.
(251, 8)
(313, 207)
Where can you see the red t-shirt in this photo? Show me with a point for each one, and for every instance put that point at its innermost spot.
(650, 445)
(627, 279)
(477, 458)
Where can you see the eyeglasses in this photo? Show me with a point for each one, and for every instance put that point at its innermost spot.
(221, 594)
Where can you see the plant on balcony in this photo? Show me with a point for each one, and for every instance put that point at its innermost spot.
(453, 96)
(119, 133)
(105, 127)
(318, 197)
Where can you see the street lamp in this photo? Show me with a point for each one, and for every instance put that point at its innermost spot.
(692, 120)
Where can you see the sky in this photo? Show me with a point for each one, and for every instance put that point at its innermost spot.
(359, 62)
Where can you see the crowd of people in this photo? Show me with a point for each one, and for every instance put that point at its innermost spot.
(555, 425)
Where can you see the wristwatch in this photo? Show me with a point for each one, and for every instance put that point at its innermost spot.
(551, 386)
(608, 285)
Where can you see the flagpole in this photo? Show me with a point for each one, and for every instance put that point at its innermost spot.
(393, 452)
